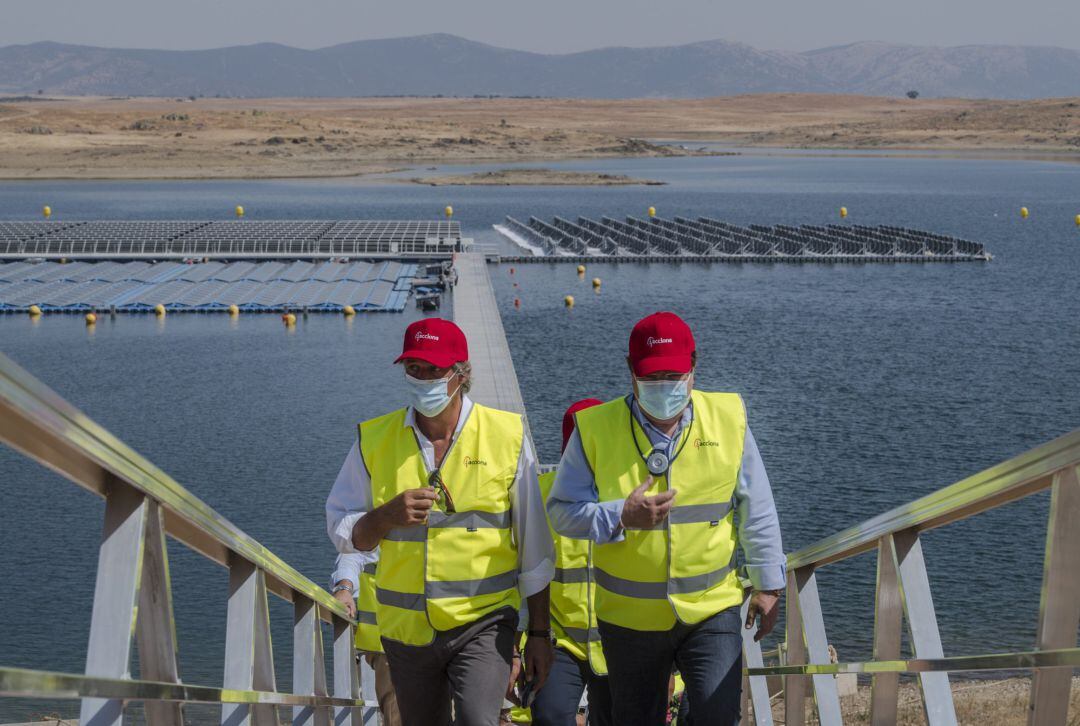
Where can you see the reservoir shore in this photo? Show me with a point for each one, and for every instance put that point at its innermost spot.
(212, 138)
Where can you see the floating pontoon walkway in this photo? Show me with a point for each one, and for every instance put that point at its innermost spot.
(235, 239)
(710, 240)
(381, 286)
(477, 314)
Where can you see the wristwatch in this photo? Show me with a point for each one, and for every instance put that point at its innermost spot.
(546, 634)
(774, 593)
(345, 586)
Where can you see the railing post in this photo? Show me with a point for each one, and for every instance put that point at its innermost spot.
(309, 667)
(1059, 606)
(758, 686)
(826, 695)
(922, 625)
(249, 661)
(116, 597)
(156, 630)
(794, 686)
(888, 621)
(346, 679)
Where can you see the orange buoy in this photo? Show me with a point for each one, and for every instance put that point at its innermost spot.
(517, 302)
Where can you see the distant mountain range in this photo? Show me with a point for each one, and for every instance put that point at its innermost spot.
(445, 64)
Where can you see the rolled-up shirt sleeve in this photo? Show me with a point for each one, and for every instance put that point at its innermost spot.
(349, 500)
(536, 551)
(759, 525)
(574, 505)
(348, 567)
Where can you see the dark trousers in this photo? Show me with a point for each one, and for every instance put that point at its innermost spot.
(709, 656)
(557, 702)
(469, 665)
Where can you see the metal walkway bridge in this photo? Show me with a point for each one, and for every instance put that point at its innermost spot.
(132, 600)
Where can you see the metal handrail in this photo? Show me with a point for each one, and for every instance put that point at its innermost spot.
(39, 423)
(903, 593)
(1008, 481)
(27, 683)
(133, 597)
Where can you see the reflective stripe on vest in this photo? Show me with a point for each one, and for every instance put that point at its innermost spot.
(573, 617)
(684, 568)
(367, 629)
(458, 567)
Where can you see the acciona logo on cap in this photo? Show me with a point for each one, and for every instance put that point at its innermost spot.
(656, 341)
(426, 336)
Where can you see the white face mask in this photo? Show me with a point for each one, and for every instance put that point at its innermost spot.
(429, 398)
(664, 400)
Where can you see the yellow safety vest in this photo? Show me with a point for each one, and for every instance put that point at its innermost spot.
(367, 629)
(458, 567)
(573, 617)
(685, 567)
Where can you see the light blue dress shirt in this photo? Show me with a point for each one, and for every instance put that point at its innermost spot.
(575, 511)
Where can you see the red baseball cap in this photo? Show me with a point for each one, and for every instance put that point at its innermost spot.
(568, 417)
(437, 341)
(661, 342)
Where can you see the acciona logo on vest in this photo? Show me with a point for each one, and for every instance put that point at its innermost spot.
(469, 461)
(426, 336)
(657, 341)
(698, 443)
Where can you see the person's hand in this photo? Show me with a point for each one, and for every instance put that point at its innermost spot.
(515, 673)
(411, 507)
(345, 598)
(642, 512)
(539, 655)
(765, 604)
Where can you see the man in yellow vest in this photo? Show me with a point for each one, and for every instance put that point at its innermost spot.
(656, 480)
(354, 586)
(447, 490)
(579, 658)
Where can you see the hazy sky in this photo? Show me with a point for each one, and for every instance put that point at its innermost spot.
(540, 25)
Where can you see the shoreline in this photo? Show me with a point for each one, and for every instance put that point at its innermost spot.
(365, 139)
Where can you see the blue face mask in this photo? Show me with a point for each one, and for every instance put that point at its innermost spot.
(664, 400)
(429, 398)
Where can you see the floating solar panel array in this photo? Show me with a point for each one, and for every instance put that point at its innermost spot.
(230, 239)
(704, 237)
(205, 287)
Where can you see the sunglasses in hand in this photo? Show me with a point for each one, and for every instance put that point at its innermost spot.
(435, 481)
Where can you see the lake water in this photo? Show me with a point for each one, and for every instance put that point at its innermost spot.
(867, 385)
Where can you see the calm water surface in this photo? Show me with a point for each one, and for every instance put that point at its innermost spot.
(867, 386)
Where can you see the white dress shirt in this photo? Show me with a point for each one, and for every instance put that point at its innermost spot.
(350, 499)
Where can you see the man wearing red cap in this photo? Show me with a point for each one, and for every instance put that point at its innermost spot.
(655, 480)
(447, 491)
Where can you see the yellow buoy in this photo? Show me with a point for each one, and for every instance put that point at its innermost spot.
(91, 318)
(239, 211)
(34, 311)
(348, 311)
(569, 301)
(596, 282)
(289, 319)
(46, 211)
(652, 211)
(159, 310)
(234, 310)
(1024, 212)
(449, 211)
(843, 212)
(1078, 220)
(581, 269)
